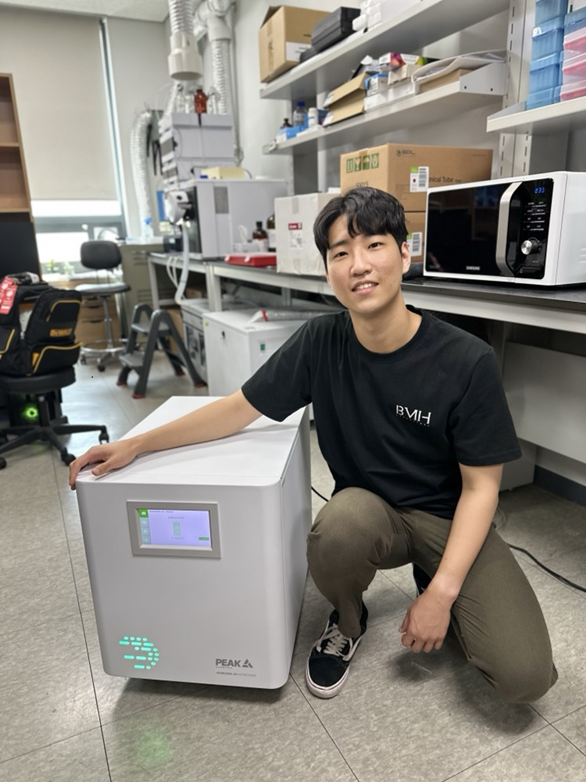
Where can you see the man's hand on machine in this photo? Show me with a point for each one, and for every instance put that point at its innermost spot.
(106, 457)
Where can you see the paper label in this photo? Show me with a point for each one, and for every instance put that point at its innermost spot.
(419, 179)
(415, 242)
(295, 235)
(293, 50)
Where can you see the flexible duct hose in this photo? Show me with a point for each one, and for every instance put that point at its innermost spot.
(181, 16)
(138, 157)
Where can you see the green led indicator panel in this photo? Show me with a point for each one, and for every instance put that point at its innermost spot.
(139, 651)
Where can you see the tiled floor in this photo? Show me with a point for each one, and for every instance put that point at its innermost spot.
(400, 718)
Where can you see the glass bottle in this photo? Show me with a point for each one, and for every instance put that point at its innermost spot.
(272, 233)
(200, 101)
(300, 114)
(260, 238)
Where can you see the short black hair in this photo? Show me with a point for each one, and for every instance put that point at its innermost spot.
(370, 212)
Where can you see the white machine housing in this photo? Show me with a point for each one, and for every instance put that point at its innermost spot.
(196, 555)
(528, 230)
(221, 206)
(191, 142)
(192, 315)
(236, 346)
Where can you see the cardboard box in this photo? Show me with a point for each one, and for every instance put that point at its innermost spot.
(407, 171)
(294, 219)
(415, 222)
(284, 34)
(346, 101)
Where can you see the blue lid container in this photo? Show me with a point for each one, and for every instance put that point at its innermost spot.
(549, 9)
(546, 73)
(548, 38)
(543, 98)
(575, 21)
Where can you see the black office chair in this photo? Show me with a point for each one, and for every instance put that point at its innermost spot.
(102, 256)
(42, 392)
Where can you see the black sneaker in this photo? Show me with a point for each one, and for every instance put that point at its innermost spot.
(328, 664)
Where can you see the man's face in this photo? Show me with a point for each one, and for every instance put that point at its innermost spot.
(365, 272)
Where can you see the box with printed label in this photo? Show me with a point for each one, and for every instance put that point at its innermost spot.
(409, 170)
(415, 222)
(284, 34)
(294, 219)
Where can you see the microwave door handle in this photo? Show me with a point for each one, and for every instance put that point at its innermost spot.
(503, 229)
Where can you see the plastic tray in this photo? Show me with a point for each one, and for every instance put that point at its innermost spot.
(575, 90)
(576, 41)
(549, 9)
(545, 73)
(252, 259)
(542, 98)
(574, 69)
(548, 38)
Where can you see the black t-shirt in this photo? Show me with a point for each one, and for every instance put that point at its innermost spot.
(395, 423)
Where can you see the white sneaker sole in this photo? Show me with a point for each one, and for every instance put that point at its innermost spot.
(328, 692)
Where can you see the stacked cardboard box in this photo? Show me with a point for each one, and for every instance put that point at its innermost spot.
(408, 171)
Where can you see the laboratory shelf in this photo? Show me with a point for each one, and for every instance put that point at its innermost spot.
(543, 121)
(479, 88)
(425, 22)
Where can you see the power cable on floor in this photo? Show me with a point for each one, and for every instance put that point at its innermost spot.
(559, 577)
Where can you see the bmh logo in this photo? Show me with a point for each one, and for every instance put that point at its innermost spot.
(227, 663)
(143, 654)
(416, 416)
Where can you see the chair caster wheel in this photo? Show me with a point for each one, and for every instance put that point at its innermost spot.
(82, 360)
(104, 438)
(101, 368)
(67, 458)
(2, 463)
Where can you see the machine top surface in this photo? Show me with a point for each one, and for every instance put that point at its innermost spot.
(257, 455)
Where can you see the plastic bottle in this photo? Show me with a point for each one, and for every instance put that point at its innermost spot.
(147, 228)
(260, 238)
(272, 233)
(200, 101)
(300, 114)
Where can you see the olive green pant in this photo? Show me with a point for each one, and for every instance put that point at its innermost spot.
(496, 616)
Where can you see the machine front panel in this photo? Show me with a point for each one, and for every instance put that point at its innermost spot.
(488, 230)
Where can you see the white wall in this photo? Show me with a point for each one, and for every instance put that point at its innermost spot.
(138, 57)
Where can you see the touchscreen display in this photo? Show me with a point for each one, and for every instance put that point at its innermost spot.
(165, 527)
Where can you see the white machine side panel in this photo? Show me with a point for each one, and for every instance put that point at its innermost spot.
(296, 513)
(573, 231)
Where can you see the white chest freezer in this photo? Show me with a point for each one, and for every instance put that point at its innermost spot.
(236, 347)
(197, 555)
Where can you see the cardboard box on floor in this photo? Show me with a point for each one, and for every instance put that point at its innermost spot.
(284, 34)
(407, 171)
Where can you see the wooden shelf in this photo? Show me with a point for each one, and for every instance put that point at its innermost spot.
(479, 88)
(556, 118)
(424, 23)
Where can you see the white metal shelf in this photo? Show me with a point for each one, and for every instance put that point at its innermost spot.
(424, 23)
(556, 118)
(479, 88)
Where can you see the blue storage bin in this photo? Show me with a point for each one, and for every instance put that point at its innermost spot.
(543, 98)
(549, 9)
(546, 73)
(575, 21)
(548, 38)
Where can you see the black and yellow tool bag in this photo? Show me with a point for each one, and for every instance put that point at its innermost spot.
(37, 327)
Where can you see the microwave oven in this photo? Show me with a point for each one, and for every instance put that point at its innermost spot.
(529, 230)
(224, 212)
